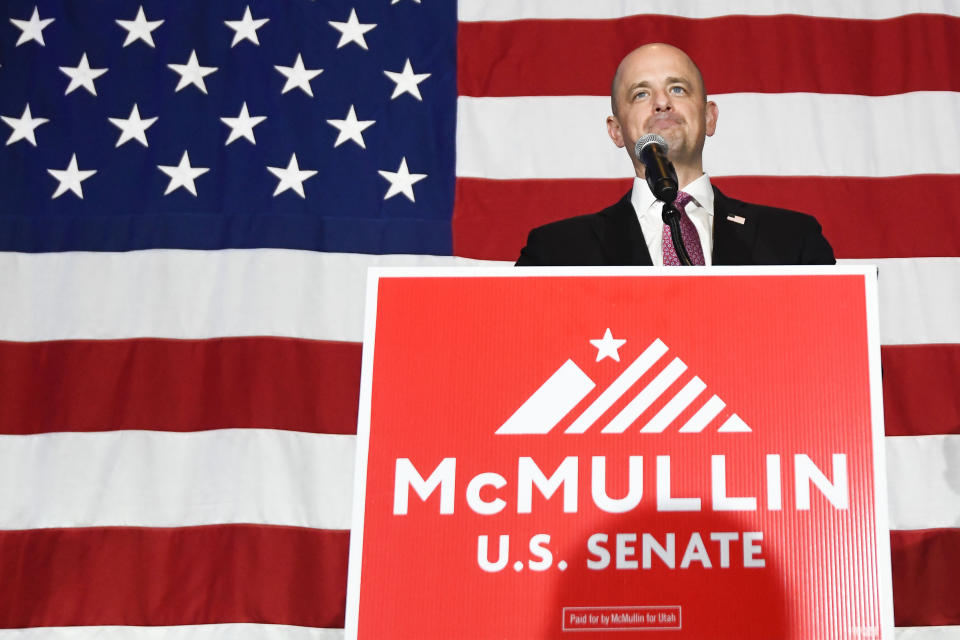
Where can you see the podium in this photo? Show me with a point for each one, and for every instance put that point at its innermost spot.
(620, 452)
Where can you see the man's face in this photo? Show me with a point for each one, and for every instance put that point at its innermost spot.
(658, 90)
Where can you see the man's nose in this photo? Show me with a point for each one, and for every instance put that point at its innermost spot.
(661, 101)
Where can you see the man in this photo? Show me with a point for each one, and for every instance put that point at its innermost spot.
(658, 89)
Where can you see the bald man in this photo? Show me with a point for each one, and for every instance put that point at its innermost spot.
(658, 89)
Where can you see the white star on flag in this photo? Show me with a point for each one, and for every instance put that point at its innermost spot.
(246, 28)
(31, 29)
(182, 175)
(350, 128)
(139, 28)
(242, 126)
(401, 180)
(82, 76)
(407, 81)
(607, 346)
(352, 30)
(133, 128)
(70, 178)
(192, 73)
(292, 177)
(23, 127)
(298, 77)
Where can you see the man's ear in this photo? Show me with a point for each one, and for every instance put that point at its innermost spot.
(712, 112)
(613, 130)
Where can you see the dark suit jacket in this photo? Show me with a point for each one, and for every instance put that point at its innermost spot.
(613, 237)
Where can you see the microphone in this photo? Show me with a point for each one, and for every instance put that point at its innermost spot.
(651, 150)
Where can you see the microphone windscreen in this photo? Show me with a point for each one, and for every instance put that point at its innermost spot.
(650, 138)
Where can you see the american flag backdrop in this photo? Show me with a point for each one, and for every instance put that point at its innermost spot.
(190, 195)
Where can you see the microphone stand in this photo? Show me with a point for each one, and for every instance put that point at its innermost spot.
(671, 217)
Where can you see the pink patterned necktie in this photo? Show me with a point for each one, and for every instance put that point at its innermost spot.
(691, 239)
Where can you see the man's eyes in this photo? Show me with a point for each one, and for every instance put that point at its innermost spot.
(676, 90)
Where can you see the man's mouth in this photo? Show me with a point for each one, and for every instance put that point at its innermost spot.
(663, 123)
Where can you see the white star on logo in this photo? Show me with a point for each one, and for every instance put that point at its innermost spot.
(352, 30)
(246, 29)
(292, 177)
(192, 73)
(298, 77)
(350, 128)
(401, 180)
(607, 346)
(31, 29)
(182, 175)
(242, 125)
(139, 28)
(133, 128)
(82, 76)
(407, 81)
(23, 126)
(70, 178)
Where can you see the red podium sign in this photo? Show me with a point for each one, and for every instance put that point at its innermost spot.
(683, 453)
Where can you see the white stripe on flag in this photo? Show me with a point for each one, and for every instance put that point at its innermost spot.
(277, 292)
(171, 293)
(923, 477)
(129, 478)
(237, 631)
(484, 10)
(787, 134)
(928, 633)
(163, 479)
(918, 299)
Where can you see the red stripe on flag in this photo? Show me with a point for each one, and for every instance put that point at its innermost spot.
(287, 575)
(179, 385)
(491, 218)
(925, 565)
(862, 217)
(760, 54)
(866, 217)
(180, 576)
(920, 389)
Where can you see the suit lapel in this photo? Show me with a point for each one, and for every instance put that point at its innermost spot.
(619, 234)
(734, 231)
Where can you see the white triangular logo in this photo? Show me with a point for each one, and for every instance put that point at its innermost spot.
(569, 385)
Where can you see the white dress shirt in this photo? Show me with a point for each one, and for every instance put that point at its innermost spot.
(649, 212)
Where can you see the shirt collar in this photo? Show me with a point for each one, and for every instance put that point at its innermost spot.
(643, 201)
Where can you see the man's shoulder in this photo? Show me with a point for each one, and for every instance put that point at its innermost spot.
(761, 213)
(749, 233)
(744, 233)
(589, 220)
(577, 240)
(574, 225)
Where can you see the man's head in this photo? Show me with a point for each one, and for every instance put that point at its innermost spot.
(658, 89)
